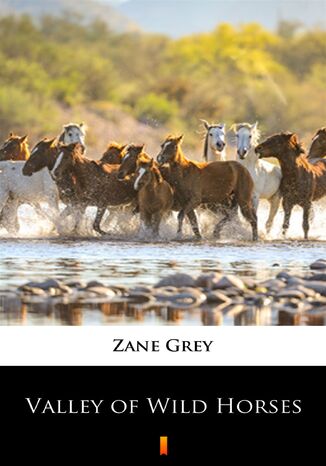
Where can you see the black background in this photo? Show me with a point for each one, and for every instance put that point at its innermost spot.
(208, 438)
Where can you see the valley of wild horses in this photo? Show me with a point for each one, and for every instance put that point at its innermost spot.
(189, 216)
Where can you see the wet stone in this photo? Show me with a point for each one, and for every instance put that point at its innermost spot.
(229, 281)
(46, 285)
(291, 294)
(319, 287)
(207, 280)
(217, 297)
(94, 284)
(178, 280)
(101, 291)
(319, 264)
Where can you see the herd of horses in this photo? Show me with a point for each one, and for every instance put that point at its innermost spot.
(58, 170)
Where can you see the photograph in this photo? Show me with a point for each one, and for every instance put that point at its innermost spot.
(162, 163)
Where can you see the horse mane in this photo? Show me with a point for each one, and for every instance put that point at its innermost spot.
(206, 145)
(157, 174)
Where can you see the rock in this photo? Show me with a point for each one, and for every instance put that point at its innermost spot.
(33, 291)
(318, 277)
(229, 281)
(217, 297)
(179, 280)
(295, 281)
(249, 282)
(319, 264)
(101, 291)
(261, 301)
(284, 276)
(291, 294)
(319, 287)
(307, 291)
(76, 283)
(94, 284)
(207, 280)
(46, 285)
(272, 284)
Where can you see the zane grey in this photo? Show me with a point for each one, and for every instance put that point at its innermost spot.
(142, 171)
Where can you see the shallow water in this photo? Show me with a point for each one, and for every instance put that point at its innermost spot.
(121, 259)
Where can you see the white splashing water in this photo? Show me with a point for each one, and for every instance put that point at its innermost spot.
(123, 225)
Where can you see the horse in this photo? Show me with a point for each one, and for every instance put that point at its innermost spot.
(318, 145)
(14, 148)
(113, 154)
(302, 182)
(94, 183)
(214, 146)
(155, 195)
(45, 157)
(266, 176)
(73, 132)
(15, 188)
(197, 183)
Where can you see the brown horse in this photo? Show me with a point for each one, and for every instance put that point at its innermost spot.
(14, 148)
(318, 145)
(302, 182)
(198, 183)
(113, 154)
(94, 183)
(45, 154)
(155, 195)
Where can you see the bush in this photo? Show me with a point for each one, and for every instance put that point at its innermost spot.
(156, 109)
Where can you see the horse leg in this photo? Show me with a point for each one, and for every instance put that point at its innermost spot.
(306, 216)
(9, 216)
(274, 202)
(156, 220)
(287, 206)
(181, 216)
(250, 215)
(97, 222)
(220, 225)
(194, 223)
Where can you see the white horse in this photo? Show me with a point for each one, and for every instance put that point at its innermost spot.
(214, 147)
(266, 176)
(19, 189)
(16, 189)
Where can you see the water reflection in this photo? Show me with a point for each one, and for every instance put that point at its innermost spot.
(13, 311)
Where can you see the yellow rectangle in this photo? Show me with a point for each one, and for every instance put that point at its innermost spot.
(163, 446)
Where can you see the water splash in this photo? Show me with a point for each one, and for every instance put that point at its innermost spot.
(122, 225)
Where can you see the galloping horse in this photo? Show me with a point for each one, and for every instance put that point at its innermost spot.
(302, 182)
(266, 176)
(214, 146)
(113, 154)
(318, 145)
(93, 183)
(198, 183)
(155, 195)
(14, 148)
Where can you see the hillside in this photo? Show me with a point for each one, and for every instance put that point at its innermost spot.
(85, 11)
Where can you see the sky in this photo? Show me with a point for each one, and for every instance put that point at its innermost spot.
(179, 17)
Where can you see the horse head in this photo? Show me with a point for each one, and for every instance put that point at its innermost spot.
(43, 155)
(131, 156)
(144, 174)
(280, 146)
(318, 145)
(73, 133)
(14, 148)
(113, 153)
(215, 137)
(247, 138)
(169, 149)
